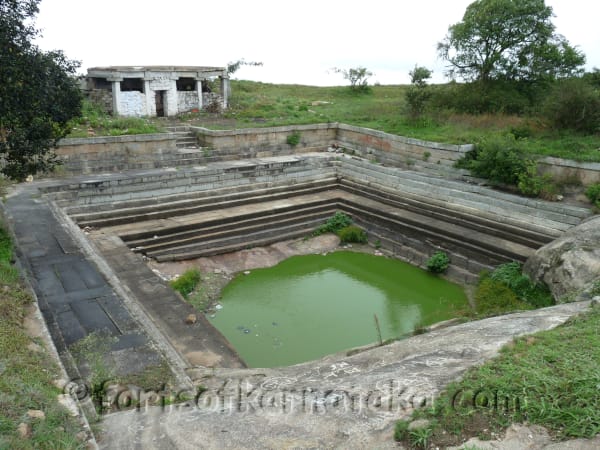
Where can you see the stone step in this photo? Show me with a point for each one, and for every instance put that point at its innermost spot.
(264, 239)
(240, 235)
(472, 244)
(196, 205)
(479, 198)
(442, 211)
(197, 231)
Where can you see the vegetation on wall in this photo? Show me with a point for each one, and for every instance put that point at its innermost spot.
(438, 262)
(352, 234)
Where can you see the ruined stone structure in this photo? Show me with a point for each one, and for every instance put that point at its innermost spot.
(156, 90)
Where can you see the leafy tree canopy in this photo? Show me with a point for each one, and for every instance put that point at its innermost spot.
(39, 94)
(510, 40)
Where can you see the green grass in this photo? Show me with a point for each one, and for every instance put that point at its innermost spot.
(95, 122)
(255, 104)
(26, 376)
(550, 379)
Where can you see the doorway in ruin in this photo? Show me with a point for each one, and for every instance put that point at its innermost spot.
(160, 103)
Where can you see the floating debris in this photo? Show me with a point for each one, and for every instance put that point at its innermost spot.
(246, 272)
(246, 330)
(218, 306)
(274, 324)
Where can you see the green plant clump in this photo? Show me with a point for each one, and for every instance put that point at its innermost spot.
(493, 297)
(187, 282)
(438, 263)
(510, 274)
(334, 224)
(293, 139)
(593, 193)
(352, 234)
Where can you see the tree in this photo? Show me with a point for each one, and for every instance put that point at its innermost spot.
(39, 94)
(418, 93)
(508, 40)
(358, 77)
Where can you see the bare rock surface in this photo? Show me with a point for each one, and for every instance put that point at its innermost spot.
(570, 263)
(338, 401)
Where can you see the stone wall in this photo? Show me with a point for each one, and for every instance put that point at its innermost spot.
(382, 148)
(568, 170)
(399, 151)
(116, 153)
(132, 103)
(102, 97)
(261, 142)
(187, 100)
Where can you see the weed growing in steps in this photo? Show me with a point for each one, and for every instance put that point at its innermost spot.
(187, 282)
(438, 263)
(334, 224)
(545, 379)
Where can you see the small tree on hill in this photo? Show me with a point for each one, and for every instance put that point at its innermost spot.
(358, 77)
(418, 93)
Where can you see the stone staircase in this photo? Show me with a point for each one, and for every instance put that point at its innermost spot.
(232, 206)
(185, 138)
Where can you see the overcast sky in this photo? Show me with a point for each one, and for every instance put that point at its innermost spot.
(297, 41)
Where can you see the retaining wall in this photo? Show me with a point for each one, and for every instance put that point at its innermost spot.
(116, 153)
(159, 150)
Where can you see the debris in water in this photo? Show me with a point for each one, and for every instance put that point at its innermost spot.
(246, 272)
(275, 324)
(246, 330)
(218, 306)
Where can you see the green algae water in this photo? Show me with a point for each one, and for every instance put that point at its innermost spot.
(310, 306)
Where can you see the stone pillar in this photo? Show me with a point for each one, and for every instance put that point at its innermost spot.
(225, 90)
(149, 97)
(171, 101)
(116, 95)
(199, 90)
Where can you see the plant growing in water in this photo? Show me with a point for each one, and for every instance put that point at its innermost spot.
(438, 263)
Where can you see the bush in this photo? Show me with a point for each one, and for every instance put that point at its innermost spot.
(500, 159)
(511, 276)
(573, 104)
(532, 184)
(334, 224)
(293, 139)
(593, 193)
(495, 297)
(438, 263)
(352, 234)
(187, 282)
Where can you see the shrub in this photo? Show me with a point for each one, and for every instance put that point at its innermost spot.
(438, 263)
(532, 184)
(352, 234)
(187, 282)
(593, 193)
(573, 104)
(511, 276)
(334, 224)
(501, 159)
(293, 139)
(495, 297)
